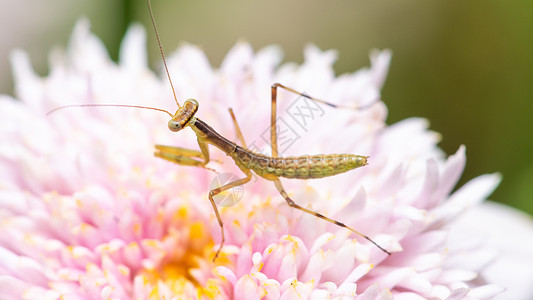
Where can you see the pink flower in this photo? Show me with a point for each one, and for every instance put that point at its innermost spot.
(87, 211)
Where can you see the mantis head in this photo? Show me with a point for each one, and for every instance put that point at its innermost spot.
(184, 116)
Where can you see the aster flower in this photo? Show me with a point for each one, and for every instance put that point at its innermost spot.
(88, 212)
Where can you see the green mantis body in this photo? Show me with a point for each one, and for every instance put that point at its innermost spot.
(268, 167)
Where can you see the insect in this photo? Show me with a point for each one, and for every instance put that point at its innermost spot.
(268, 167)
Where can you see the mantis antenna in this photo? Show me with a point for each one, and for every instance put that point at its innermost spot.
(112, 105)
(162, 53)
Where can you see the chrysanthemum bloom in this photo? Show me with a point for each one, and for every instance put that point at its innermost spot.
(87, 211)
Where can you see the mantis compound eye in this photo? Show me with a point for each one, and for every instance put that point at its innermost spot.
(174, 126)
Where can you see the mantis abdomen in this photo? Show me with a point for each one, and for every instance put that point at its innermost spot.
(298, 167)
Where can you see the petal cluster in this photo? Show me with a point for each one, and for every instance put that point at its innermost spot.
(87, 211)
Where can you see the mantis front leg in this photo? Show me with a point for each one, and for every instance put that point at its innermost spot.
(183, 156)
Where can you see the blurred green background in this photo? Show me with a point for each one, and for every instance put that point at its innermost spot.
(467, 66)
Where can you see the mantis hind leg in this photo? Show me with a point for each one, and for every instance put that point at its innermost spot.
(219, 190)
(291, 203)
(273, 117)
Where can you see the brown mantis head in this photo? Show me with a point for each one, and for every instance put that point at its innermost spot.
(184, 116)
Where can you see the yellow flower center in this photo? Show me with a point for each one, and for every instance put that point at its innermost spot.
(187, 271)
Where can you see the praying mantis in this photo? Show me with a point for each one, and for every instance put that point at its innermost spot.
(271, 168)
(268, 167)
